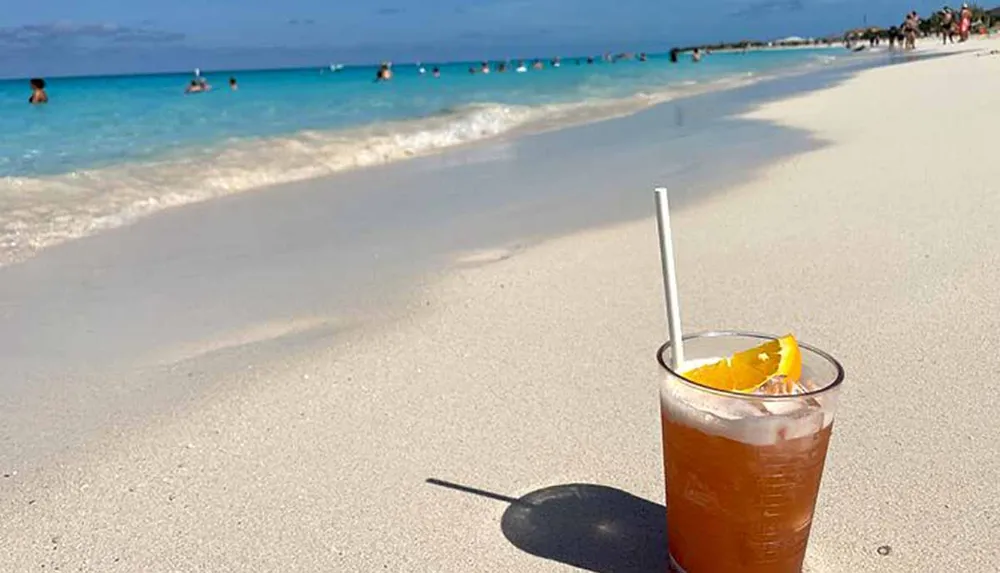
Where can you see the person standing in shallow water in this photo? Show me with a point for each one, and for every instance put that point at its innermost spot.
(384, 73)
(38, 94)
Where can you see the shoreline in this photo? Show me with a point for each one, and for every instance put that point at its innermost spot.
(122, 194)
(529, 366)
(233, 225)
(372, 241)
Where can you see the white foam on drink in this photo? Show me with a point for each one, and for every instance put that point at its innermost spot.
(758, 422)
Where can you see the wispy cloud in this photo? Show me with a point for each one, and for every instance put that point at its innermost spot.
(301, 22)
(66, 32)
(767, 7)
(389, 11)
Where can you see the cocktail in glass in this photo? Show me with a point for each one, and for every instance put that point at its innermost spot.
(743, 470)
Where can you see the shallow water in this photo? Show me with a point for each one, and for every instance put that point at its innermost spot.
(109, 150)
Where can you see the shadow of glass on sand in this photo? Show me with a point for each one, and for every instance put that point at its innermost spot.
(592, 527)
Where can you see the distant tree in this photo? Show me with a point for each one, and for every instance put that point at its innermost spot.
(980, 15)
(931, 25)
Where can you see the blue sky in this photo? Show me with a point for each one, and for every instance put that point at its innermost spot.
(114, 36)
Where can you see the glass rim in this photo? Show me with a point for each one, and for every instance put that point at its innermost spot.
(837, 381)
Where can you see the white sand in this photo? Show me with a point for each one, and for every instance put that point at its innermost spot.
(537, 369)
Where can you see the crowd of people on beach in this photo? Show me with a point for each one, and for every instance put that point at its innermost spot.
(952, 26)
(946, 24)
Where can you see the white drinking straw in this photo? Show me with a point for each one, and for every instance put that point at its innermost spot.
(669, 279)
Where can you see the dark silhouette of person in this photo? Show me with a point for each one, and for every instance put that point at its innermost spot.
(38, 94)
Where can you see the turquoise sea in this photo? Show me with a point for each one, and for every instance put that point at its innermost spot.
(108, 150)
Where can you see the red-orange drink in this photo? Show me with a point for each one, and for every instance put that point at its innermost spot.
(742, 470)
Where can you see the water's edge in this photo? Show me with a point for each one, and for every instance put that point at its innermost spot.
(46, 211)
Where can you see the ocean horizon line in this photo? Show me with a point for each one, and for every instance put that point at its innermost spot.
(346, 66)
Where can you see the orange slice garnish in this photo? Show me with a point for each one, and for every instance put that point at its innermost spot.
(777, 363)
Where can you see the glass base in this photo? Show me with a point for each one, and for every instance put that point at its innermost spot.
(673, 567)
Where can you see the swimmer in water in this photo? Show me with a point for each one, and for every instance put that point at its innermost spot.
(673, 55)
(537, 65)
(383, 74)
(38, 94)
(194, 88)
(696, 55)
(485, 68)
(233, 85)
(521, 68)
(590, 60)
(436, 72)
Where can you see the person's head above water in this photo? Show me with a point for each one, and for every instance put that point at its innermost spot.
(38, 94)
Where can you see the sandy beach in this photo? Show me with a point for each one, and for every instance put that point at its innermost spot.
(185, 398)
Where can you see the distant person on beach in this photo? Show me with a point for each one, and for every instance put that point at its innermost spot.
(910, 27)
(38, 94)
(893, 35)
(947, 26)
(233, 85)
(965, 23)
